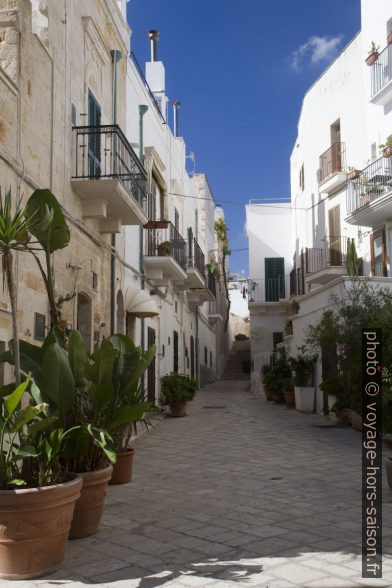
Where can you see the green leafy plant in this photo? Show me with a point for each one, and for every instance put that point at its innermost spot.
(241, 337)
(30, 446)
(303, 367)
(46, 222)
(388, 143)
(14, 237)
(178, 388)
(373, 48)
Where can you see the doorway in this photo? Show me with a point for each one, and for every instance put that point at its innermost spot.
(151, 338)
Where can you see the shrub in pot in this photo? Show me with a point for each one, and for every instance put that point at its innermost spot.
(303, 367)
(372, 54)
(267, 379)
(386, 148)
(289, 394)
(281, 372)
(37, 498)
(128, 407)
(178, 389)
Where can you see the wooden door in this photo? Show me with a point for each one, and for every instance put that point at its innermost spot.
(151, 368)
(333, 244)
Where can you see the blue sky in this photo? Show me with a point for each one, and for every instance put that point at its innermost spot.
(240, 70)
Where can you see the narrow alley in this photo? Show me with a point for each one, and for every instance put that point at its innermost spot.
(241, 492)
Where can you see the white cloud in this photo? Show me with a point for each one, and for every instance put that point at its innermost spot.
(316, 49)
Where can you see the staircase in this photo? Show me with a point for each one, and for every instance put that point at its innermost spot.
(238, 362)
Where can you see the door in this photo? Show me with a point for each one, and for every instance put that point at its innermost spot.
(191, 261)
(94, 137)
(151, 368)
(274, 279)
(378, 253)
(175, 351)
(334, 247)
(192, 357)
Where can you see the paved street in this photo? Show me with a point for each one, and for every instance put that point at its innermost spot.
(240, 493)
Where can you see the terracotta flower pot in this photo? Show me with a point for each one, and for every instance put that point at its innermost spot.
(34, 528)
(356, 420)
(278, 397)
(353, 174)
(289, 396)
(89, 507)
(178, 409)
(387, 152)
(372, 58)
(122, 469)
(388, 467)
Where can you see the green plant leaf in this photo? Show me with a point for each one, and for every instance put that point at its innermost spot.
(130, 414)
(41, 425)
(57, 381)
(48, 224)
(12, 401)
(17, 482)
(27, 451)
(24, 416)
(77, 356)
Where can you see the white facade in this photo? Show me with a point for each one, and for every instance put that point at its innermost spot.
(341, 185)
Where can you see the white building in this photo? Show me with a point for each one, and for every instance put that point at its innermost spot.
(341, 184)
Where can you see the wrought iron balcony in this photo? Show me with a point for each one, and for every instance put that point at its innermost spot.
(297, 285)
(369, 196)
(334, 253)
(381, 77)
(108, 175)
(332, 161)
(269, 289)
(165, 257)
(196, 258)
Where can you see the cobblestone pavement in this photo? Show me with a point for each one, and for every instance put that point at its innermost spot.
(239, 493)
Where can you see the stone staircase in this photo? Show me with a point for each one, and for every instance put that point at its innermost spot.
(238, 362)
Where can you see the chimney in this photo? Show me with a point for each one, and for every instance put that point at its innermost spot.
(176, 108)
(154, 38)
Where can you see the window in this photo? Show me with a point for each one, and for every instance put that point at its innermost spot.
(274, 279)
(276, 339)
(163, 351)
(175, 351)
(211, 359)
(378, 254)
(95, 281)
(39, 326)
(73, 114)
(94, 139)
(302, 178)
(176, 220)
(205, 356)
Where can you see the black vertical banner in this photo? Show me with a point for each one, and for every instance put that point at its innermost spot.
(371, 453)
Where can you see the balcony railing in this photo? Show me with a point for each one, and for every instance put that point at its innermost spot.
(166, 242)
(269, 289)
(374, 181)
(103, 152)
(196, 257)
(297, 286)
(334, 253)
(381, 71)
(333, 160)
(211, 283)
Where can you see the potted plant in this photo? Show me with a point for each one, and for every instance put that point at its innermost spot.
(267, 379)
(177, 390)
(303, 367)
(37, 497)
(372, 54)
(128, 406)
(353, 173)
(165, 248)
(386, 148)
(289, 394)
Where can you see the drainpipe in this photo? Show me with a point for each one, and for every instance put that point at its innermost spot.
(142, 111)
(116, 56)
(176, 108)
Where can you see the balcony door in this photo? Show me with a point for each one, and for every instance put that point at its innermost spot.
(192, 357)
(378, 254)
(151, 376)
(175, 351)
(334, 246)
(274, 279)
(94, 137)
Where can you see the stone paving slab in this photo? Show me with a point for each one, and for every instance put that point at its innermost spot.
(253, 494)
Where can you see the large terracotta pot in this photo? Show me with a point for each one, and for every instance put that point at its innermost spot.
(289, 396)
(178, 409)
(388, 467)
(372, 58)
(122, 469)
(34, 528)
(89, 507)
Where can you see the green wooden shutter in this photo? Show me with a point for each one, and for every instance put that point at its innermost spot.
(94, 137)
(274, 279)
